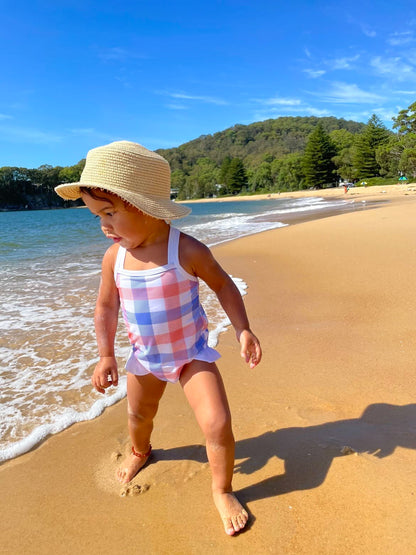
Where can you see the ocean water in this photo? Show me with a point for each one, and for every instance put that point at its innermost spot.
(50, 268)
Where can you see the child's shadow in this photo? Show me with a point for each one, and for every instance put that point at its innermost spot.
(308, 452)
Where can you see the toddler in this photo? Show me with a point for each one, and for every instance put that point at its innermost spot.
(151, 271)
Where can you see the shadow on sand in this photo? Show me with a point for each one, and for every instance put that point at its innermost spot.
(308, 452)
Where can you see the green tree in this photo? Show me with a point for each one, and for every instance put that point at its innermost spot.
(237, 177)
(407, 164)
(388, 157)
(232, 175)
(224, 171)
(177, 181)
(260, 178)
(202, 179)
(14, 187)
(408, 146)
(343, 160)
(317, 163)
(287, 173)
(374, 136)
(364, 158)
(71, 174)
(405, 121)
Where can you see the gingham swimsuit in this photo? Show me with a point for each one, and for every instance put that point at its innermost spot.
(166, 323)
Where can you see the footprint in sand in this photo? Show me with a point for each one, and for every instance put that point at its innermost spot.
(116, 456)
(163, 470)
(134, 490)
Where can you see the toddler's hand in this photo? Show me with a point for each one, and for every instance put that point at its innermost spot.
(106, 368)
(250, 348)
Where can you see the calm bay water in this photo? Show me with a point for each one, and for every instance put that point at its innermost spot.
(50, 265)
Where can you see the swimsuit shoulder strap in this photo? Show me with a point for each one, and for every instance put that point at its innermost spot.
(121, 255)
(173, 246)
(173, 253)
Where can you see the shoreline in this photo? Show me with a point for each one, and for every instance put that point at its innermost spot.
(325, 452)
(371, 192)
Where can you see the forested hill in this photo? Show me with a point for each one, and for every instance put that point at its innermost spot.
(263, 156)
(273, 138)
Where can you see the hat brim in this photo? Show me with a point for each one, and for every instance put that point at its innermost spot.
(157, 207)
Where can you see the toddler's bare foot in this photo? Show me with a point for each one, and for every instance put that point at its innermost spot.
(233, 515)
(131, 466)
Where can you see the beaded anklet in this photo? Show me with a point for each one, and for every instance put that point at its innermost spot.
(141, 455)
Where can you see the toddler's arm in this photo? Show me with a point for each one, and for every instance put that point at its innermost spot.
(105, 318)
(197, 259)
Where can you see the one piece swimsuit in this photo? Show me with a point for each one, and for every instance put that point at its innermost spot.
(166, 324)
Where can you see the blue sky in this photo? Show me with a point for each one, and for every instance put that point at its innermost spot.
(76, 74)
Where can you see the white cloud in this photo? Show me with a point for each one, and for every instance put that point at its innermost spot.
(176, 106)
(206, 99)
(408, 93)
(28, 135)
(342, 63)
(334, 64)
(393, 67)
(368, 31)
(314, 73)
(348, 93)
(401, 38)
(385, 114)
(277, 101)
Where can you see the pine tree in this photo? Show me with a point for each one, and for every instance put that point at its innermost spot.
(317, 163)
(233, 175)
(237, 177)
(225, 166)
(364, 160)
(366, 144)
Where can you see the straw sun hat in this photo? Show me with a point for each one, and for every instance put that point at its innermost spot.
(137, 175)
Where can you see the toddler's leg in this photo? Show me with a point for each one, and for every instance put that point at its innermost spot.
(143, 396)
(204, 389)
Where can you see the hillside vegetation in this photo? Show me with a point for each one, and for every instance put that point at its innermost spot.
(263, 156)
(274, 138)
(283, 154)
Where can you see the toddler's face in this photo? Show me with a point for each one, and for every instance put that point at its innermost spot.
(119, 221)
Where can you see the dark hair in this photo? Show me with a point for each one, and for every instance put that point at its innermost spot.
(94, 192)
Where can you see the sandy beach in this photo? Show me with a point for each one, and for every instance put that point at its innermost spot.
(355, 193)
(325, 426)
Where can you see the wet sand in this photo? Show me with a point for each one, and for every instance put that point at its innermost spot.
(325, 426)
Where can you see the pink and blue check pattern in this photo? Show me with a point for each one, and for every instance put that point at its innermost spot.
(166, 324)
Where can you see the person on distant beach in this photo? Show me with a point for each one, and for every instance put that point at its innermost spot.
(152, 272)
